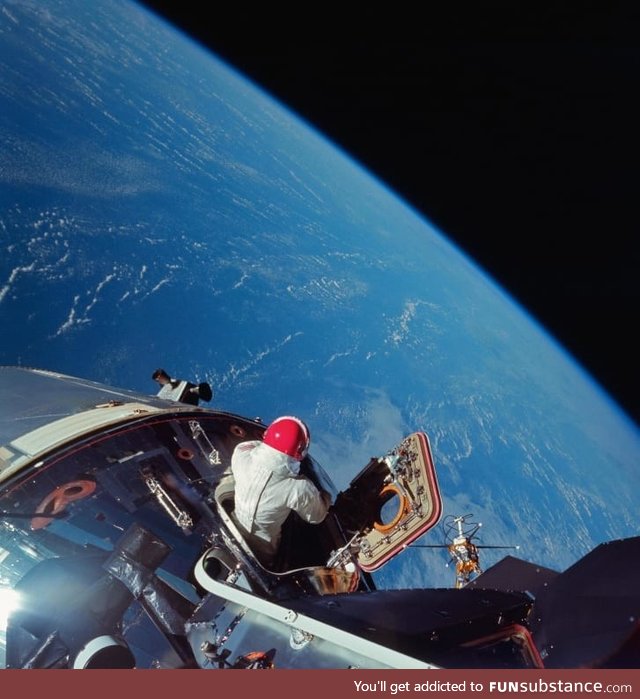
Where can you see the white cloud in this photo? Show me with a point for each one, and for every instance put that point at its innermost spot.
(372, 429)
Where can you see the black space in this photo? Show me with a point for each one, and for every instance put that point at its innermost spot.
(513, 127)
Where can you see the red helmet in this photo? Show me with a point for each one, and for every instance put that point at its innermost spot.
(288, 435)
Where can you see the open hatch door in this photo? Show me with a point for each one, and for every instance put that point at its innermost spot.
(391, 502)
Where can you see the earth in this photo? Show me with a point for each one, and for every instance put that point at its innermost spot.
(159, 210)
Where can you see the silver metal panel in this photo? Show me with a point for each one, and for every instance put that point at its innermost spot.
(333, 640)
(31, 398)
(61, 431)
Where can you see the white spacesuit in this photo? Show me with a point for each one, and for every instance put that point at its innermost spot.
(268, 487)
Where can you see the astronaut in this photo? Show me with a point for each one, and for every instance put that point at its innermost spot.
(179, 390)
(268, 486)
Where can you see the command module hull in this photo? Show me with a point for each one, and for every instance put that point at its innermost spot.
(119, 548)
